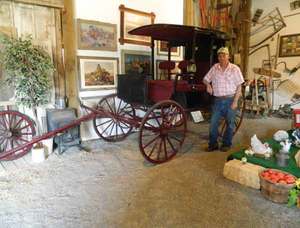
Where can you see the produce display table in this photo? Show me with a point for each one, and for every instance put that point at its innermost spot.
(271, 163)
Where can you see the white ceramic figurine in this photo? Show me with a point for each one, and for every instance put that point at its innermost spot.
(286, 145)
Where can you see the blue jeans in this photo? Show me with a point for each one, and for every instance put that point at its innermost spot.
(222, 108)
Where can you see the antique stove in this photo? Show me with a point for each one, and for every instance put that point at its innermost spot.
(57, 118)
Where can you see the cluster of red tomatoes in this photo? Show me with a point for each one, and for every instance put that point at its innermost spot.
(278, 177)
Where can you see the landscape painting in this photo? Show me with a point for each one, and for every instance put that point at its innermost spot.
(131, 19)
(97, 73)
(94, 35)
(136, 62)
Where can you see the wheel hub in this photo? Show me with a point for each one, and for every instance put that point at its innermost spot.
(8, 134)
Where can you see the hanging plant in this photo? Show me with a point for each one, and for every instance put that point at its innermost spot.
(27, 69)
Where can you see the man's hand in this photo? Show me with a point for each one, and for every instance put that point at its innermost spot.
(209, 89)
(234, 105)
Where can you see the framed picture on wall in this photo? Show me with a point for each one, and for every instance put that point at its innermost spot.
(95, 35)
(96, 73)
(130, 19)
(163, 74)
(133, 62)
(162, 49)
(289, 45)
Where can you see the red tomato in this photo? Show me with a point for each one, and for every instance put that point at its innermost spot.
(281, 175)
(290, 180)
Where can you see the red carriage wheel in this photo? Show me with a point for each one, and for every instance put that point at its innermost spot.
(15, 129)
(109, 128)
(238, 118)
(162, 131)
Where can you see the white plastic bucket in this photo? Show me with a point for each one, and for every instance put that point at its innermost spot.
(38, 155)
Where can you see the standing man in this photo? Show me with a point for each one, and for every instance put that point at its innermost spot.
(223, 81)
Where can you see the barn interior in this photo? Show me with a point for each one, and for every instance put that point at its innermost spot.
(105, 118)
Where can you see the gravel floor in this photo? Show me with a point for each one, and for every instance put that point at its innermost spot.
(113, 186)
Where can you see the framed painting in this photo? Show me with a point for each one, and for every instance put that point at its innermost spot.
(94, 35)
(162, 49)
(135, 62)
(289, 45)
(130, 19)
(163, 74)
(97, 73)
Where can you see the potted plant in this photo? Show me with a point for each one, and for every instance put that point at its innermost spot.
(27, 69)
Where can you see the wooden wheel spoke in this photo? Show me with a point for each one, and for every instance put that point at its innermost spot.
(124, 126)
(2, 140)
(109, 107)
(18, 123)
(126, 107)
(165, 148)
(156, 118)
(9, 119)
(127, 113)
(98, 125)
(13, 121)
(159, 150)
(112, 128)
(23, 140)
(169, 141)
(116, 126)
(162, 121)
(6, 122)
(173, 116)
(114, 106)
(11, 144)
(5, 144)
(117, 129)
(3, 122)
(107, 127)
(151, 141)
(152, 150)
(121, 129)
(150, 125)
(22, 128)
(119, 105)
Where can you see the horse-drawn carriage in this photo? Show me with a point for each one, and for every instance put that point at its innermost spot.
(158, 108)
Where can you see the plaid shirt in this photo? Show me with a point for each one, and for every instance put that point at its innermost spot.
(224, 83)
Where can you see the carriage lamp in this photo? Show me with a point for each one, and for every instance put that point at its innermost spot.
(296, 116)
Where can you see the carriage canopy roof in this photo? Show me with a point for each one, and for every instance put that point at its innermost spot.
(178, 35)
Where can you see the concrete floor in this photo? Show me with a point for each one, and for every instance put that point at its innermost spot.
(113, 186)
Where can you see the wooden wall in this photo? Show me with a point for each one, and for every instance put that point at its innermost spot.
(50, 3)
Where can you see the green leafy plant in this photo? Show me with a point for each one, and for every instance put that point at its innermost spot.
(27, 69)
(294, 193)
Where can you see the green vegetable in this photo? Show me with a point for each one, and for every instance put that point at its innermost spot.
(293, 196)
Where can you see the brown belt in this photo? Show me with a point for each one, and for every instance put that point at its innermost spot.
(225, 97)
